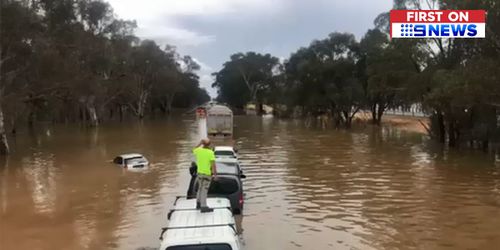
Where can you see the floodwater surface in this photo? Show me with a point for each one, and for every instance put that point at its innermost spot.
(306, 188)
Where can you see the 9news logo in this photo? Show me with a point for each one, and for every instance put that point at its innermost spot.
(438, 23)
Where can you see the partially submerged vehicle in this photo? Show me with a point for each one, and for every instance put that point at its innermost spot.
(189, 229)
(225, 152)
(229, 166)
(131, 161)
(228, 183)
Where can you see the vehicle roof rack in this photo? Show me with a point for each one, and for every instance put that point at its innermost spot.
(178, 197)
(164, 229)
(193, 209)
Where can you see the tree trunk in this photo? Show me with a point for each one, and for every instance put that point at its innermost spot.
(374, 114)
(452, 140)
(170, 101)
(485, 145)
(110, 113)
(380, 113)
(91, 110)
(441, 127)
(347, 120)
(94, 122)
(4, 144)
(31, 117)
(259, 108)
(120, 109)
(141, 104)
(348, 123)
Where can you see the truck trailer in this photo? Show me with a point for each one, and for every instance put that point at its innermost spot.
(219, 120)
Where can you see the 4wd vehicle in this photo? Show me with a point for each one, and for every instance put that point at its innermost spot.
(188, 229)
(132, 161)
(228, 184)
(225, 152)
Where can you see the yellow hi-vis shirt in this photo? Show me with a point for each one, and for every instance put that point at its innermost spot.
(203, 158)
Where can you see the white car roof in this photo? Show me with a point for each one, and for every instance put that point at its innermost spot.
(183, 203)
(223, 148)
(188, 227)
(196, 236)
(132, 155)
(226, 160)
(193, 217)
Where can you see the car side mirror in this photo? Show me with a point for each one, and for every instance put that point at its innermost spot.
(242, 176)
(236, 150)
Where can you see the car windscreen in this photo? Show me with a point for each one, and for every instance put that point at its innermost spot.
(202, 247)
(223, 186)
(135, 160)
(227, 168)
(224, 153)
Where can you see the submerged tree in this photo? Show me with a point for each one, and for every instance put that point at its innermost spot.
(245, 78)
(324, 78)
(74, 61)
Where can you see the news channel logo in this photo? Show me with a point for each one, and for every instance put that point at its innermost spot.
(438, 24)
(439, 30)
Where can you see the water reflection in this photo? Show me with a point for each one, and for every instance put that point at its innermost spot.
(305, 189)
(40, 174)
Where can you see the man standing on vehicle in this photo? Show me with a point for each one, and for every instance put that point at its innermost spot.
(205, 161)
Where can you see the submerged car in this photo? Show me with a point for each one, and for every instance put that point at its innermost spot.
(132, 161)
(225, 152)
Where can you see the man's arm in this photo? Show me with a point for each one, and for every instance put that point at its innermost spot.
(214, 168)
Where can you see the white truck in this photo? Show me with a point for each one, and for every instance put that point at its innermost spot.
(219, 120)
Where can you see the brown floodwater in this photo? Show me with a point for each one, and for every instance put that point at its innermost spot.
(306, 188)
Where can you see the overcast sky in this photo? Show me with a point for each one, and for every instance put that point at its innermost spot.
(211, 30)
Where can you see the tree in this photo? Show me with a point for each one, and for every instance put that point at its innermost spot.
(387, 66)
(324, 77)
(72, 60)
(245, 78)
(19, 26)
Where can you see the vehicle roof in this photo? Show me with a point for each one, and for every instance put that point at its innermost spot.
(194, 236)
(216, 202)
(213, 227)
(224, 168)
(131, 155)
(223, 148)
(226, 160)
(193, 217)
(219, 109)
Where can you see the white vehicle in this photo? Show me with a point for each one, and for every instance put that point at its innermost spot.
(182, 203)
(189, 229)
(131, 161)
(225, 152)
(219, 120)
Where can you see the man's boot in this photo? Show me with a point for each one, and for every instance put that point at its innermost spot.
(198, 206)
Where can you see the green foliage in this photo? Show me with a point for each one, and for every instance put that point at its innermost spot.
(67, 60)
(246, 78)
(456, 81)
(324, 77)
